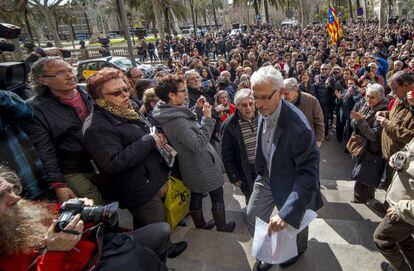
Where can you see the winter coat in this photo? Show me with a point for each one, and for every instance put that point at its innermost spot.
(233, 151)
(400, 131)
(200, 165)
(56, 133)
(127, 156)
(369, 127)
(400, 194)
(324, 89)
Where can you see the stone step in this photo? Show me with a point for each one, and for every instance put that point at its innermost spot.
(211, 250)
(340, 191)
(334, 231)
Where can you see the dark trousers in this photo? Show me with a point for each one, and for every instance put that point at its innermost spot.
(395, 241)
(148, 213)
(325, 111)
(216, 197)
(389, 174)
(247, 188)
(154, 237)
(340, 123)
(363, 193)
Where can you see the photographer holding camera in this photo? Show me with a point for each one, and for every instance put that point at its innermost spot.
(32, 239)
(393, 235)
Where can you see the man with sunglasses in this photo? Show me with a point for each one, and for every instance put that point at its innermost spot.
(287, 162)
(60, 108)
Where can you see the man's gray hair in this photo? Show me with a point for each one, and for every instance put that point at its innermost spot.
(377, 90)
(188, 73)
(243, 94)
(38, 70)
(291, 84)
(267, 74)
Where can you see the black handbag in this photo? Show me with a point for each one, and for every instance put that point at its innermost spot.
(369, 169)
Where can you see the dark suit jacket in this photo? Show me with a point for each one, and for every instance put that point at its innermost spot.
(294, 173)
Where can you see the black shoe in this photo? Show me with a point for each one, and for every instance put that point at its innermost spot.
(289, 262)
(379, 208)
(177, 249)
(262, 266)
(386, 267)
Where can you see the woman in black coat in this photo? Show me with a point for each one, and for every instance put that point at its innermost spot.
(365, 124)
(119, 140)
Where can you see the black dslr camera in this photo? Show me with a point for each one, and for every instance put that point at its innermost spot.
(95, 214)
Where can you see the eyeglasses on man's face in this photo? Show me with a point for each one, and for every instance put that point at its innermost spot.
(264, 97)
(60, 74)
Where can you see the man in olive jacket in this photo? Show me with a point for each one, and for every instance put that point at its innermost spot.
(309, 106)
(398, 124)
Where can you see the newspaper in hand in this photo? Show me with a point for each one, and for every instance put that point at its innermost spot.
(166, 151)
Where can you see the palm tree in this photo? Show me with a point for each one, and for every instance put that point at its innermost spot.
(255, 4)
(153, 10)
(211, 5)
(46, 9)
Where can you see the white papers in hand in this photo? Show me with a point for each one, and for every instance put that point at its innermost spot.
(281, 246)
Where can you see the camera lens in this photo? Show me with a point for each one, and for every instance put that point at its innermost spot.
(98, 214)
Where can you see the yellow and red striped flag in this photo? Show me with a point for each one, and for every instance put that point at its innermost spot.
(334, 27)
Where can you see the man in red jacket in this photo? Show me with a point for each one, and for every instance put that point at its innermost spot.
(29, 243)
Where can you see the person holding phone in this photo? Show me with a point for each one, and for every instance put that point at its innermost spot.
(200, 165)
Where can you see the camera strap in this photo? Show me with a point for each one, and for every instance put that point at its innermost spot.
(95, 259)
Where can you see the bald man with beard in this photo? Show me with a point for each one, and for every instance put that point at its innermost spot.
(28, 238)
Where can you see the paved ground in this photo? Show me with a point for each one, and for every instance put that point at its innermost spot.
(340, 238)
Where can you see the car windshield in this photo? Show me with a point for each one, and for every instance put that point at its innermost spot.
(124, 63)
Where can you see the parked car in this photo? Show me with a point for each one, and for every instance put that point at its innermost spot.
(88, 67)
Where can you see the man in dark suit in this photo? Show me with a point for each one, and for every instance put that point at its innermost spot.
(287, 162)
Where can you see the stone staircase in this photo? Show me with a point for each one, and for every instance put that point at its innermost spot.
(339, 239)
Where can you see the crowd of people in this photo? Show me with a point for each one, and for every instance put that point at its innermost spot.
(255, 107)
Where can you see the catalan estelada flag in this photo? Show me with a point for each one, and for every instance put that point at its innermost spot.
(334, 27)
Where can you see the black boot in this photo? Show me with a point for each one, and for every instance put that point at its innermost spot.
(175, 249)
(199, 222)
(219, 215)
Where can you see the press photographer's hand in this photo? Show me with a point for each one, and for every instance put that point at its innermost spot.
(63, 241)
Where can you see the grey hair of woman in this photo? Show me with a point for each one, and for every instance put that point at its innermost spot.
(38, 70)
(291, 84)
(218, 96)
(267, 74)
(243, 94)
(377, 90)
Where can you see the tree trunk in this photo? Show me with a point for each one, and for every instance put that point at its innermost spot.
(256, 8)
(389, 8)
(266, 9)
(382, 14)
(302, 12)
(51, 27)
(365, 10)
(157, 13)
(214, 14)
(56, 22)
(205, 18)
(28, 25)
(73, 35)
(87, 24)
(193, 17)
(351, 9)
(167, 21)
